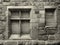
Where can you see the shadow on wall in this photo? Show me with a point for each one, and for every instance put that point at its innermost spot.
(55, 44)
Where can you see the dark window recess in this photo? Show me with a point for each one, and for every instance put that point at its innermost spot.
(37, 12)
(1, 44)
(6, 0)
(20, 44)
(58, 7)
(25, 13)
(36, 44)
(15, 13)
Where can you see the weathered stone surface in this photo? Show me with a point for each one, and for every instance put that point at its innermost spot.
(10, 43)
(1, 36)
(41, 24)
(41, 43)
(57, 36)
(1, 31)
(41, 32)
(42, 20)
(41, 28)
(34, 34)
(51, 30)
(34, 20)
(6, 3)
(51, 37)
(43, 37)
(31, 42)
(37, 20)
(2, 26)
(58, 17)
(12, 3)
(2, 18)
(33, 16)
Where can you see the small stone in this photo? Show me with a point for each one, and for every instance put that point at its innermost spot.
(51, 31)
(1, 31)
(2, 18)
(41, 32)
(51, 37)
(43, 37)
(10, 43)
(1, 36)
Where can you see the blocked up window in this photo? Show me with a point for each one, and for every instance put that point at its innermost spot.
(50, 17)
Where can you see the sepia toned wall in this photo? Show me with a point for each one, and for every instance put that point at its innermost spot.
(39, 29)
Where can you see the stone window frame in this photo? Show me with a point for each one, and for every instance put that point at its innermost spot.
(7, 19)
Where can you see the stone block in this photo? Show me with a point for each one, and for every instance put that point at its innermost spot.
(41, 43)
(6, 3)
(10, 43)
(57, 36)
(34, 33)
(2, 18)
(41, 28)
(51, 37)
(12, 3)
(43, 37)
(34, 20)
(51, 30)
(41, 24)
(33, 16)
(1, 31)
(2, 26)
(41, 32)
(42, 20)
(1, 36)
(34, 25)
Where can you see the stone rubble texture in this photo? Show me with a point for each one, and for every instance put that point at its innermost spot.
(40, 34)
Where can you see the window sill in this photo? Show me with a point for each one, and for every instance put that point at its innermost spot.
(17, 36)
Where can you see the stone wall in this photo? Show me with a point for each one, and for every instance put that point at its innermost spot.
(39, 30)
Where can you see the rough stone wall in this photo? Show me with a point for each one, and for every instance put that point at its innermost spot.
(39, 30)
